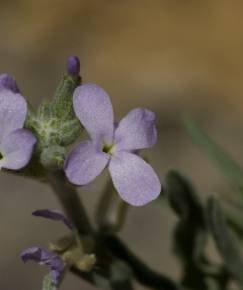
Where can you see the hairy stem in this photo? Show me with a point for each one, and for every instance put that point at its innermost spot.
(71, 203)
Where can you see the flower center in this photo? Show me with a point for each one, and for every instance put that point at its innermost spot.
(108, 148)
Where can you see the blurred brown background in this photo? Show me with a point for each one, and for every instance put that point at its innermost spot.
(171, 56)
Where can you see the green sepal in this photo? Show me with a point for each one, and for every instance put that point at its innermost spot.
(62, 106)
(53, 131)
(47, 284)
(69, 131)
(45, 112)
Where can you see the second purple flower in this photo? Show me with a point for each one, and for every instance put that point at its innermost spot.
(16, 143)
(113, 146)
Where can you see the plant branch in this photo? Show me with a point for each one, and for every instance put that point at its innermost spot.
(142, 272)
(73, 207)
(104, 282)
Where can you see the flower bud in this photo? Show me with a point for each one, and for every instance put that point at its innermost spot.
(73, 66)
(8, 82)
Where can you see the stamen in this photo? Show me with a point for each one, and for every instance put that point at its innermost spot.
(107, 148)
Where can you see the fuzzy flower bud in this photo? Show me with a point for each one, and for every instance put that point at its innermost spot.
(9, 83)
(73, 66)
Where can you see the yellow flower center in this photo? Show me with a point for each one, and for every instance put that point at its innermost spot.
(108, 148)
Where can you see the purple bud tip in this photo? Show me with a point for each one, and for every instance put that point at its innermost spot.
(53, 215)
(9, 83)
(73, 66)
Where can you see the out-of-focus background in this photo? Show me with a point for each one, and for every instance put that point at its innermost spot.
(171, 56)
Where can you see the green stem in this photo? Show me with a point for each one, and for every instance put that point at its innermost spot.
(71, 203)
(101, 281)
(111, 211)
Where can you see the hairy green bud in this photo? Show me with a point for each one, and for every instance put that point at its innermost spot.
(55, 124)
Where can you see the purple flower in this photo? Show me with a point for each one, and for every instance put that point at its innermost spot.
(45, 257)
(9, 83)
(16, 143)
(55, 215)
(73, 66)
(113, 146)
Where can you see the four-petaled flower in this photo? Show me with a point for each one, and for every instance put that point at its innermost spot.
(16, 143)
(115, 146)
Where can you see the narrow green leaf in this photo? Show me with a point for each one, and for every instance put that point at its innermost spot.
(191, 228)
(190, 236)
(225, 242)
(225, 162)
(190, 232)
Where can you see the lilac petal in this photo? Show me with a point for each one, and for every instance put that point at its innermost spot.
(55, 215)
(57, 269)
(9, 83)
(73, 66)
(13, 110)
(134, 179)
(136, 130)
(16, 149)
(35, 253)
(55, 276)
(45, 257)
(93, 107)
(85, 163)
